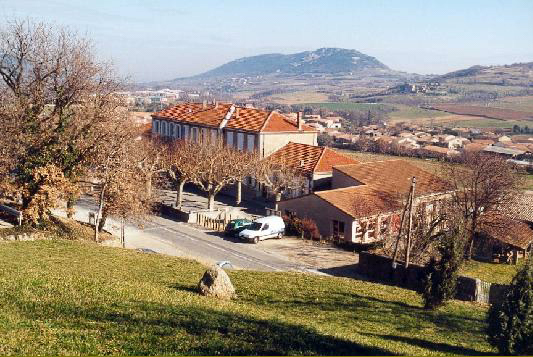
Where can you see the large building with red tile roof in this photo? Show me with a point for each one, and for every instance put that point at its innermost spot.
(366, 199)
(248, 129)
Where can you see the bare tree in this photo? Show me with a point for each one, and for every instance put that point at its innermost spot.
(217, 166)
(180, 165)
(279, 176)
(114, 159)
(481, 184)
(124, 197)
(58, 99)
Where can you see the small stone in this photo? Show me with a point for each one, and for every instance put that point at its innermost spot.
(216, 283)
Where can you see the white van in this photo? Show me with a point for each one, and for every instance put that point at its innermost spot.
(264, 228)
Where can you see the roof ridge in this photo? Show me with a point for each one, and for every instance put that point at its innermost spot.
(363, 185)
(320, 158)
(266, 120)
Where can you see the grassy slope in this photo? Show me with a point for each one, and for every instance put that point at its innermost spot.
(492, 273)
(61, 297)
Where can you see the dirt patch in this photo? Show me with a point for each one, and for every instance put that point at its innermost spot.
(318, 255)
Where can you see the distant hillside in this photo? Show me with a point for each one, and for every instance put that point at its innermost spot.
(517, 74)
(323, 60)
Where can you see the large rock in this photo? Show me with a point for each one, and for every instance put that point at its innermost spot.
(216, 282)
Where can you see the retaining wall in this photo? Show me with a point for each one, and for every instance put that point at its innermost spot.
(379, 268)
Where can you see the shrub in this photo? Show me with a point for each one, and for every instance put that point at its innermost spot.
(511, 322)
(304, 227)
(441, 275)
(309, 228)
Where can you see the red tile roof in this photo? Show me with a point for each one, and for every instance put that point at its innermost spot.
(246, 119)
(361, 201)
(278, 122)
(394, 176)
(310, 159)
(507, 230)
(384, 186)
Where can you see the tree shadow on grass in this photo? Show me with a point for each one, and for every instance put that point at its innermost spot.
(140, 328)
(390, 314)
(434, 346)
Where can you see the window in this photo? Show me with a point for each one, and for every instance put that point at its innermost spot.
(229, 139)
(177, 133)
(156, 127)
(338, 229)
(251, 142)
(203, 138)
(213, 135)
(265, 227)
(194, 136)
(240, 141)
(185, 132)
(171, 129)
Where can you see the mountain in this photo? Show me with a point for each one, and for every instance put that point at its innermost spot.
(323, 60)
(516, 74)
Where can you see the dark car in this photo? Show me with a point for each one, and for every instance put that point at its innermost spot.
(235, 226)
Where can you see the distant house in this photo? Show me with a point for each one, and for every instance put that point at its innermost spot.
(366, 200)
(242, 128)
(504, 139)
(438, 152)
(502, 151)
(408, 143)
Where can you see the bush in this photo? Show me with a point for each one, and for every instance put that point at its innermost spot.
(309, 228)
(511, 322)
(302, 227)
(441, 275)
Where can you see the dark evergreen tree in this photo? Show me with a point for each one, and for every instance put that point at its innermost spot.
(511, 322)
(441, 274)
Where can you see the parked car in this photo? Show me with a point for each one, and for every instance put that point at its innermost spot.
(236, 226)
(264, 228)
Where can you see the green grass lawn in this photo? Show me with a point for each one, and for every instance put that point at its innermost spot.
(409, 112)
(72, 298)
(491, 272)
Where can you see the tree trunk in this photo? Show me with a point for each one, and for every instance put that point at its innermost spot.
(99, 213)
(472, 237)
(276, 200)
(239, 193)
(122, 233)
(211, 201)
(149, 186)
(71, 200)
(179, 193)
(102, 220)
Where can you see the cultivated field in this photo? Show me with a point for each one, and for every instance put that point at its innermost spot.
(346, 106)
(487, 112)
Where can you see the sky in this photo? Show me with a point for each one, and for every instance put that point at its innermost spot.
(152, 40)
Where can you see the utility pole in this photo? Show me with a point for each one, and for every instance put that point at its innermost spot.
(409, 227)
(395, 255)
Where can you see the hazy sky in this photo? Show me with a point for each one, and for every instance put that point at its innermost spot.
(157, 39)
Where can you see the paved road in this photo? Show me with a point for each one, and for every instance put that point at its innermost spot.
(179, 239)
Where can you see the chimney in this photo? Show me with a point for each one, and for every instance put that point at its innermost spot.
(299, 120)
(216, 104)
(204, 104)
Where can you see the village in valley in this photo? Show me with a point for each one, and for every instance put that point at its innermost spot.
(298, 203)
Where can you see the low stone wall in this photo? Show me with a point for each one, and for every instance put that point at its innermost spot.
(379, 268)
(24, 237)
